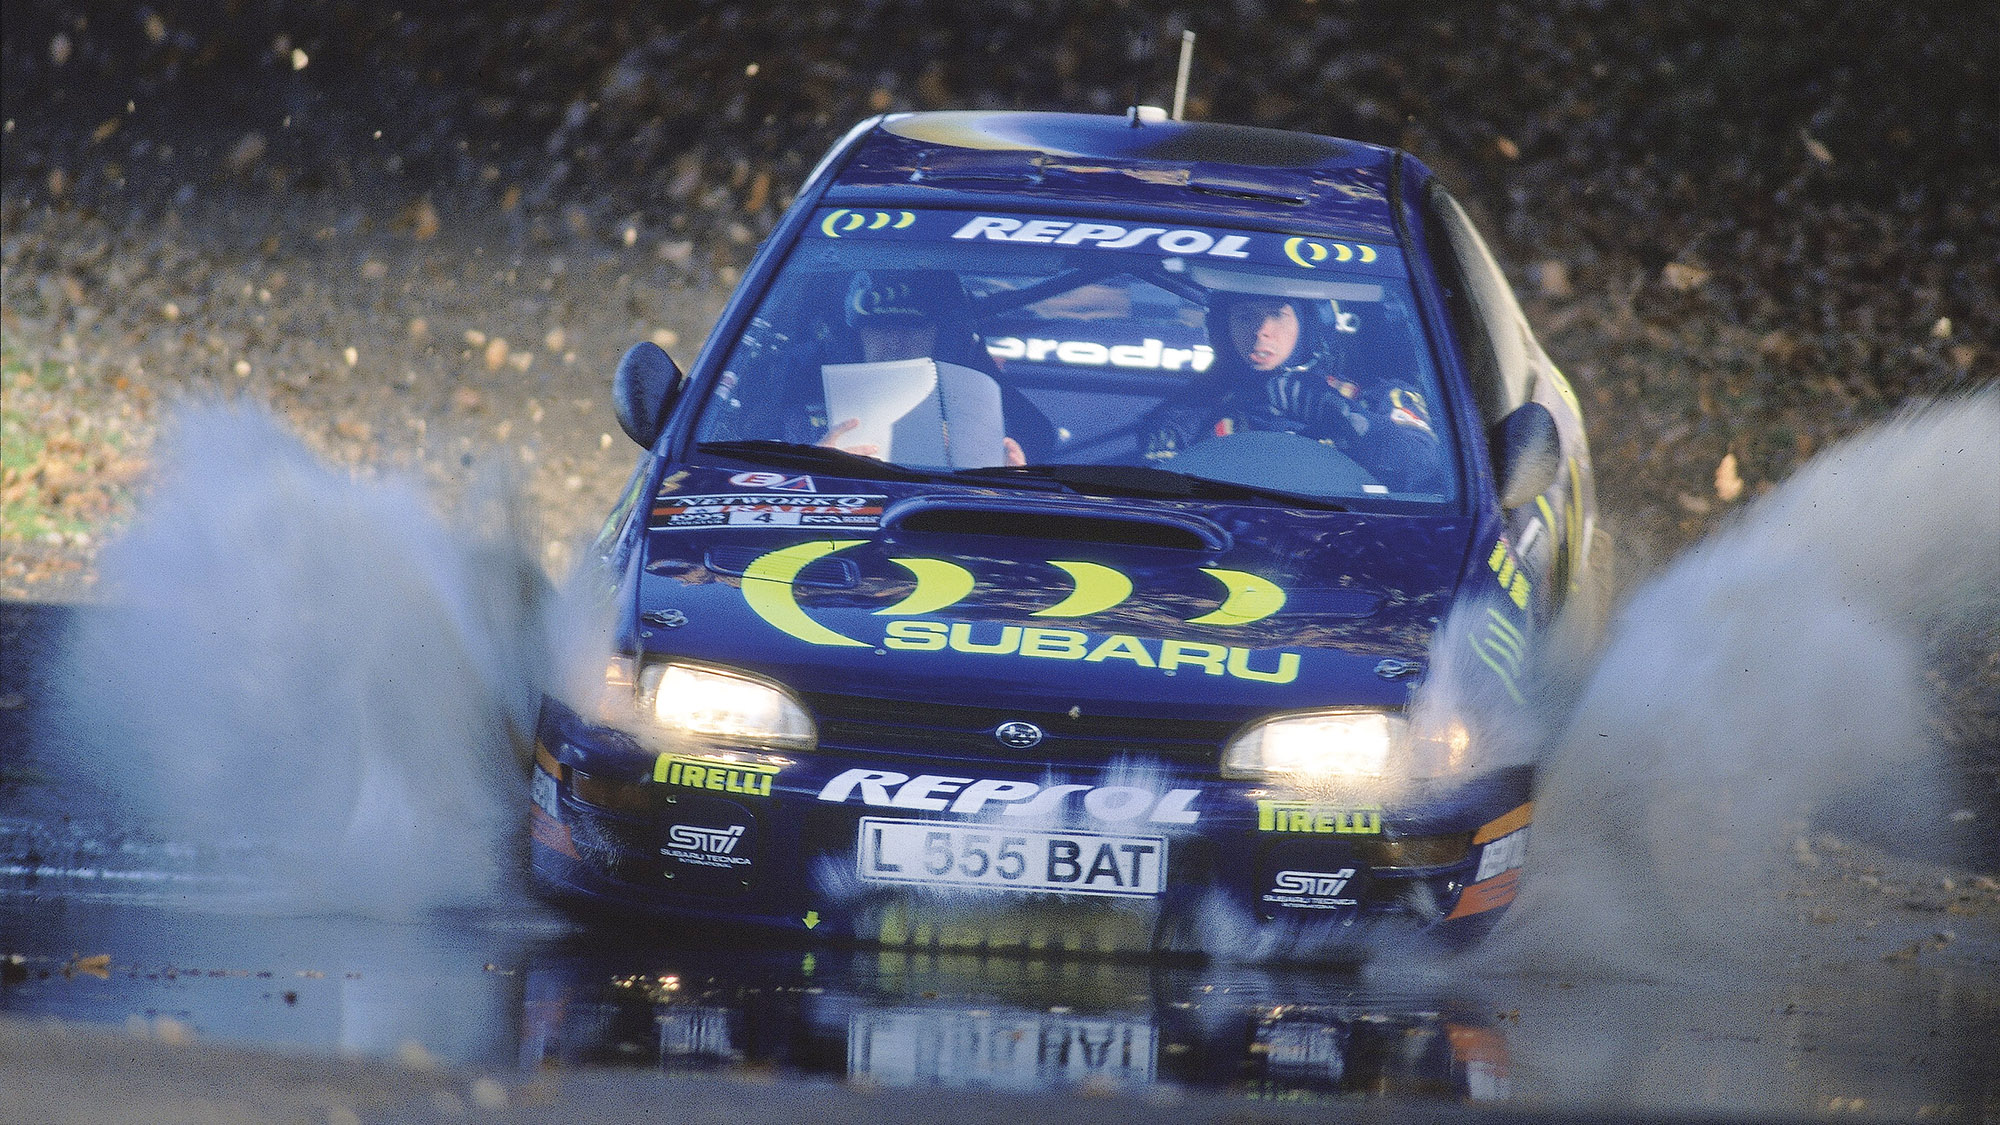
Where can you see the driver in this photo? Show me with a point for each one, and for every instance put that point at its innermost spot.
(1279, 363)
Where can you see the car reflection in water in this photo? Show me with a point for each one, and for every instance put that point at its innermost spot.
(901, 1018)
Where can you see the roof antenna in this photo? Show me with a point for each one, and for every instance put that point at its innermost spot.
(1181, 78)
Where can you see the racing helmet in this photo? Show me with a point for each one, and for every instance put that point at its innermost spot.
(1316, 351)
(888, 297)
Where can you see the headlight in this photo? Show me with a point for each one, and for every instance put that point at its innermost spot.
(697, 706)
(1316, 746)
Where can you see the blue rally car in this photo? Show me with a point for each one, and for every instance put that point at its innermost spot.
(1081, 533)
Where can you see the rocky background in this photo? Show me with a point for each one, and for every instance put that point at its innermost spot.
(424, 236)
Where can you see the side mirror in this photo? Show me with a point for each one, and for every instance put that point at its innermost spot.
(1527, 453)
(643, 392)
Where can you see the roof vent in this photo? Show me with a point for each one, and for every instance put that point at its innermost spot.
(1278, 185)
(1017, 166)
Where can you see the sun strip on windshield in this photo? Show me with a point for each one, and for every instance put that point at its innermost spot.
(1213, 245)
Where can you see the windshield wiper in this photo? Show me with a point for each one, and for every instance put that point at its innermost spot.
(823, 457)
(1145, 480)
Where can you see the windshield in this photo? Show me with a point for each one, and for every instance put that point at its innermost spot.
(961, 342)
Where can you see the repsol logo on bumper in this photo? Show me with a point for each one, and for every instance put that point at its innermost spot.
(968, 796)
(1090, 648)
(747, 778)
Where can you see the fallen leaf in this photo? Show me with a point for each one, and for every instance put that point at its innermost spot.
(1553, 280)
(760, 193)
(98, 965)
(424, 225)
(247, 151)
(1728, 485)
(1681, 277)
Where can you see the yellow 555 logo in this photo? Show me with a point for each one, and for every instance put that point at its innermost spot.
(1310, 253)
(768, 588)
(844, 221)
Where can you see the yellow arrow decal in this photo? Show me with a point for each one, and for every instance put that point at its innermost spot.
(1250, 599)
(1098, 588)
(811, 920)
(939, 584)
(767, 586)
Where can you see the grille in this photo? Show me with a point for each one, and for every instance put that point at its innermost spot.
(901, 727)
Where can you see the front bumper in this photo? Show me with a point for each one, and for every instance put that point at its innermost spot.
(1013, 856)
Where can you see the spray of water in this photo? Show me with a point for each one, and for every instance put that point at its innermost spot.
(324, 670)
(316, 667)
(1766, 677)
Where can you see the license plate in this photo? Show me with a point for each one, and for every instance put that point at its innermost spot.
(962, 855)
(999, 1049)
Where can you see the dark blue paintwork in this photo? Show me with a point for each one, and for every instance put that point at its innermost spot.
(905, 697)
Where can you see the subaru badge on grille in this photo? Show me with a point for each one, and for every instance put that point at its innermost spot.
(1017, 734)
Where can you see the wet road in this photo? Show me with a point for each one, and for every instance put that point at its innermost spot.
(1890, 1009)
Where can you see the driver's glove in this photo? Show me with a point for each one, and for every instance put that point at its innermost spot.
(1310, 403)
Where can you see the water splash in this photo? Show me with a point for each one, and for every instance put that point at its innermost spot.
(318, 668)
(1757, 683)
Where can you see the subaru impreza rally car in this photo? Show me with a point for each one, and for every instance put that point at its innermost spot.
(1080, 533)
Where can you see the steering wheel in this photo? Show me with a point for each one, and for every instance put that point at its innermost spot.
(1275, 459)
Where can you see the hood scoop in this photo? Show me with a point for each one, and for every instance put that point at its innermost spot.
(1053, 519)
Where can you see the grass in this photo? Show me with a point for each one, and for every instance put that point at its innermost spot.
(54, 483)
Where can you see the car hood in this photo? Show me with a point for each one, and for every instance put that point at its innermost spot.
(1006, 598)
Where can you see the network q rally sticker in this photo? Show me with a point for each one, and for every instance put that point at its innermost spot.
(766, 509)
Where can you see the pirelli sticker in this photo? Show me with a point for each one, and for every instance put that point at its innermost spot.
(1317, 819)
(747, 779)
(763, 509)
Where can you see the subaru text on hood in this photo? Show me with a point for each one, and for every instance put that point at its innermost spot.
(1053, 548)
